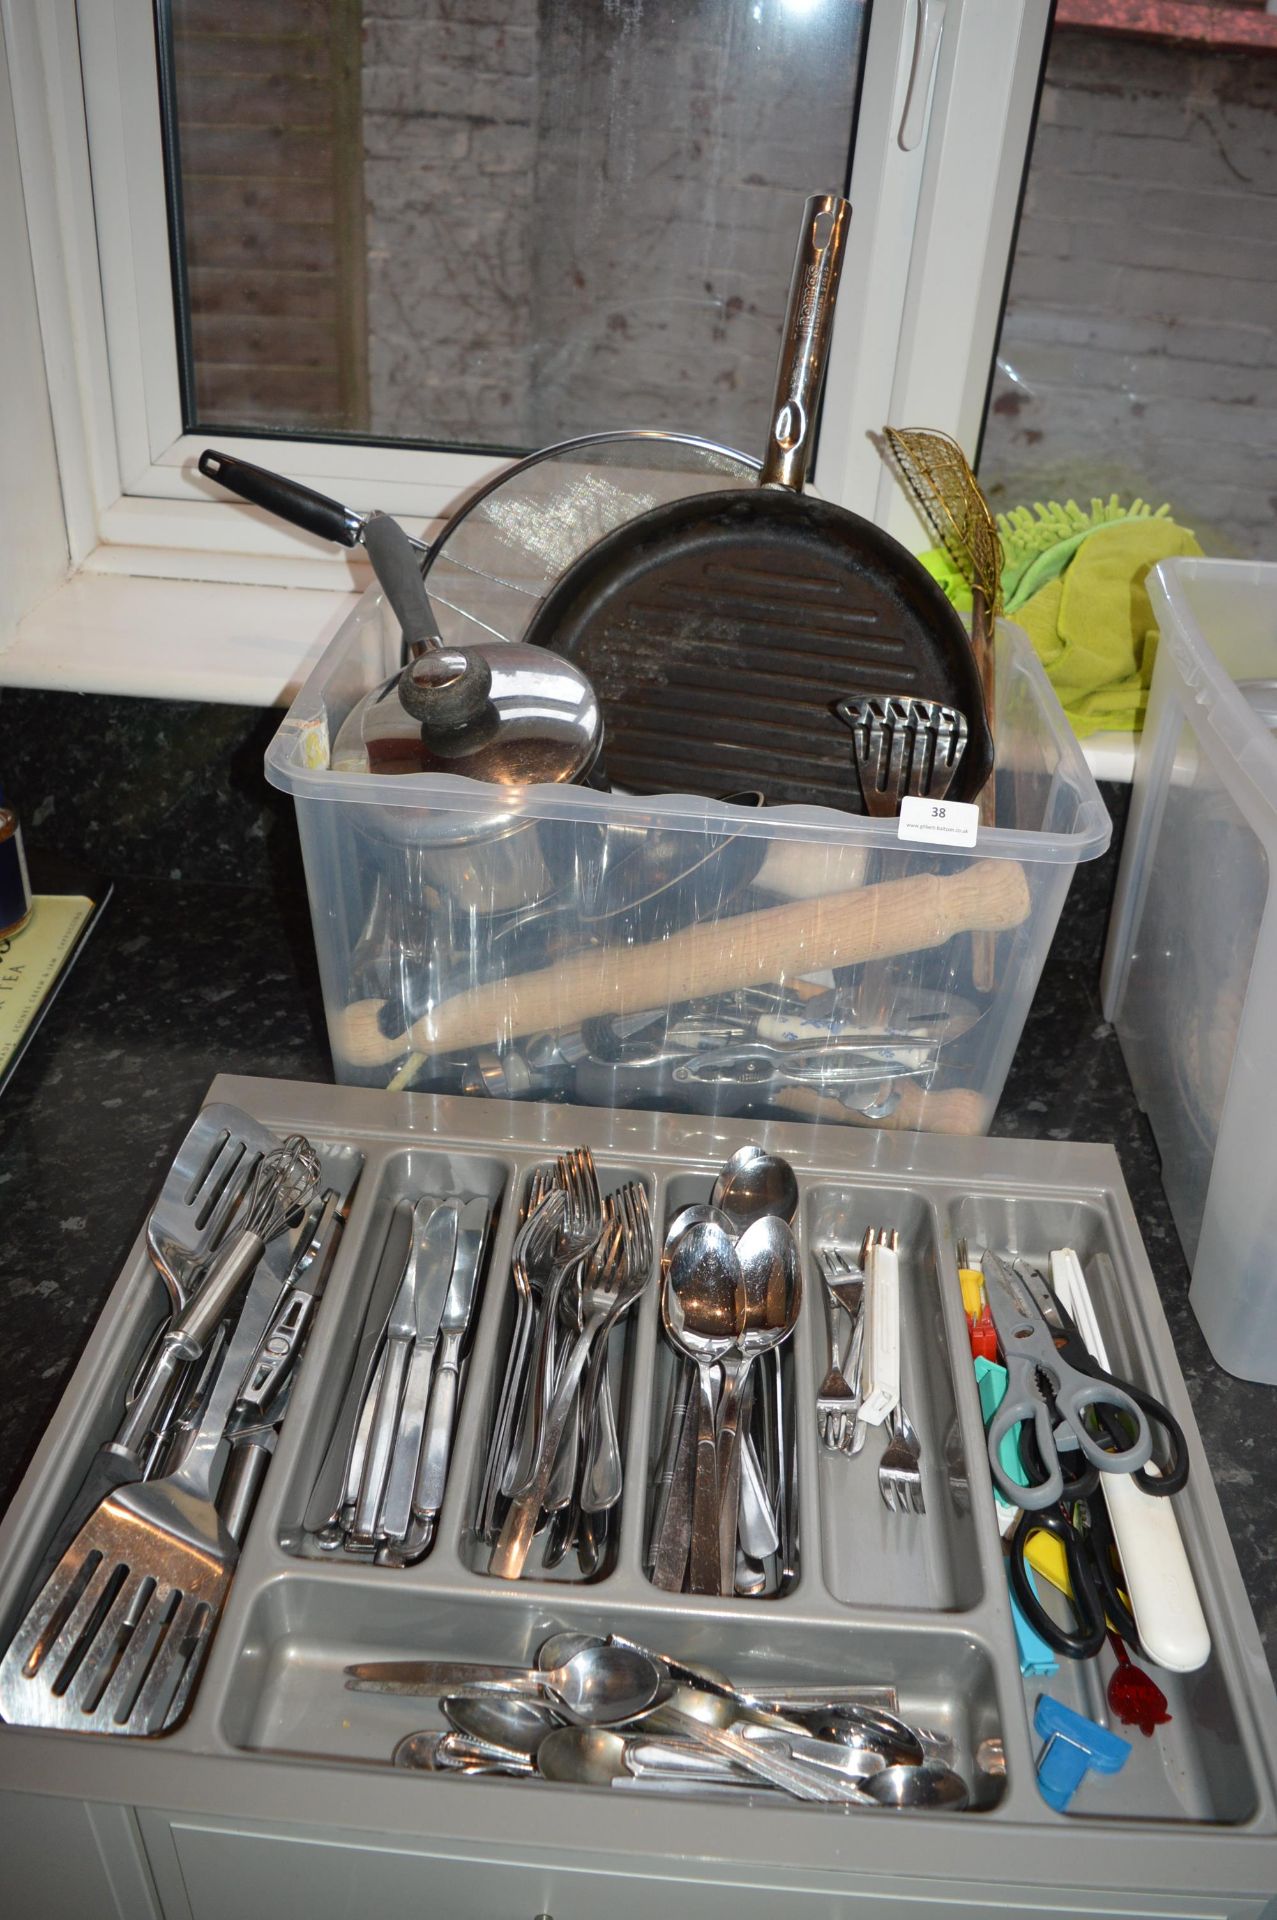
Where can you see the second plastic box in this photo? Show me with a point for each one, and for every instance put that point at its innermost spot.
(1190, 969)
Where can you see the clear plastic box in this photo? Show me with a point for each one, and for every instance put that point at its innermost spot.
(1190, 967)
(675, 952)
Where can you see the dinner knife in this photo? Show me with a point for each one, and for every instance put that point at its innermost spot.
(434, 1236)
(432, 1474)
(437, 1254)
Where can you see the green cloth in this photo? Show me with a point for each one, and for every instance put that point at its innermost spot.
(1090, 621)
(1093, 627)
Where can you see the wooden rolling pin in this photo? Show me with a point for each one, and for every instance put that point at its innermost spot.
(838, 929)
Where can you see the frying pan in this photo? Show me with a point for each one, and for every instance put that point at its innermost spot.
(718, 631)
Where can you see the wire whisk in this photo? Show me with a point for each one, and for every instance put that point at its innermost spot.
(284, 1183)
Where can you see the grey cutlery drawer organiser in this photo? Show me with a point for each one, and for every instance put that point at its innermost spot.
(276, 1792)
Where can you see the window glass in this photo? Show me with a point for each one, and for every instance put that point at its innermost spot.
(495, 223)
(1138, 352)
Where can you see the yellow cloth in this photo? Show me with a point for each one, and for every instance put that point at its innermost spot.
(1093, 626)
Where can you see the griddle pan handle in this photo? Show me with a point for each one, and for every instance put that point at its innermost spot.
(398, 568)
(301, 506)
(809, 325)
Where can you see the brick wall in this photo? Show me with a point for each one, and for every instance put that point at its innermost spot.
(450, 110)
(543, 257)
(677, 142)
(1139, 349)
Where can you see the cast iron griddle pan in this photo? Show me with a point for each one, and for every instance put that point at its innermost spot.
(717, 631)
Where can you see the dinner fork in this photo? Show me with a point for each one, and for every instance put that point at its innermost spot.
(838, 1401)
(609, 1285)
(579, 1228)
(628, 1209)
(899, 1474)
(533, 1246)
(835, 1401)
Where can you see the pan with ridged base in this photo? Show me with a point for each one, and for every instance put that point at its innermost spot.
(718, 632)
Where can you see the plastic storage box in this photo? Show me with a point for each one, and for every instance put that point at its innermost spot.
(1190, 968)
(276, 1793)
(673, 952)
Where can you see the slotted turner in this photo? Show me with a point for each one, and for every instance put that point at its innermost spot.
(903, 746)
(110, 1643)
(202, 1189)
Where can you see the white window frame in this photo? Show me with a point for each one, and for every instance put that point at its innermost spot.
(913, 342)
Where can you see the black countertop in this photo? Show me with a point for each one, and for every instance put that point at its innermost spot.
(203, 963)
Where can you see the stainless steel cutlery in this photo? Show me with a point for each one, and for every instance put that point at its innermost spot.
(554, 1466)
(724, 1512)
(865, 1389)
(608, 1713)
(398, 1428)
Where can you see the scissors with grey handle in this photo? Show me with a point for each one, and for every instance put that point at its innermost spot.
(1044, 1388)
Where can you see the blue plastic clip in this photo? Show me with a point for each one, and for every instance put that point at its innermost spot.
(1075, 1746)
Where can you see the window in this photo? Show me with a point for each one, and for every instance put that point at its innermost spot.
(945, 97)
(1138, 354)
(500, 226)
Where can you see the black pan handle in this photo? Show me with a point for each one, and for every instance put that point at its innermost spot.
(302, 506)
(398, 569)
(804, 351)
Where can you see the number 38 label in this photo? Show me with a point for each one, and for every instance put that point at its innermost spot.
(938, 823)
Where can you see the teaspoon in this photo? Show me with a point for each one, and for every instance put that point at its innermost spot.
(520, 1725)
(930, 1785)
(599, 1685)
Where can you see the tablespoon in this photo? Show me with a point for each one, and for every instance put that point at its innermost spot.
(599, 1685)
(758, 1532)
(703, 1311)
(692, 1217)
(880, 1733)
(699, 1681)
(698, 1691)
(754, 1184)
(667, 1555)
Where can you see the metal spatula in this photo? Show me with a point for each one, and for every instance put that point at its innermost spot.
(902, 746)
(110, 1638)
(202, 1190)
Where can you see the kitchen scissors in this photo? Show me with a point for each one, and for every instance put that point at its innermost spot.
(1169, 1466)
(1085, 1534)
(1054, 1394)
